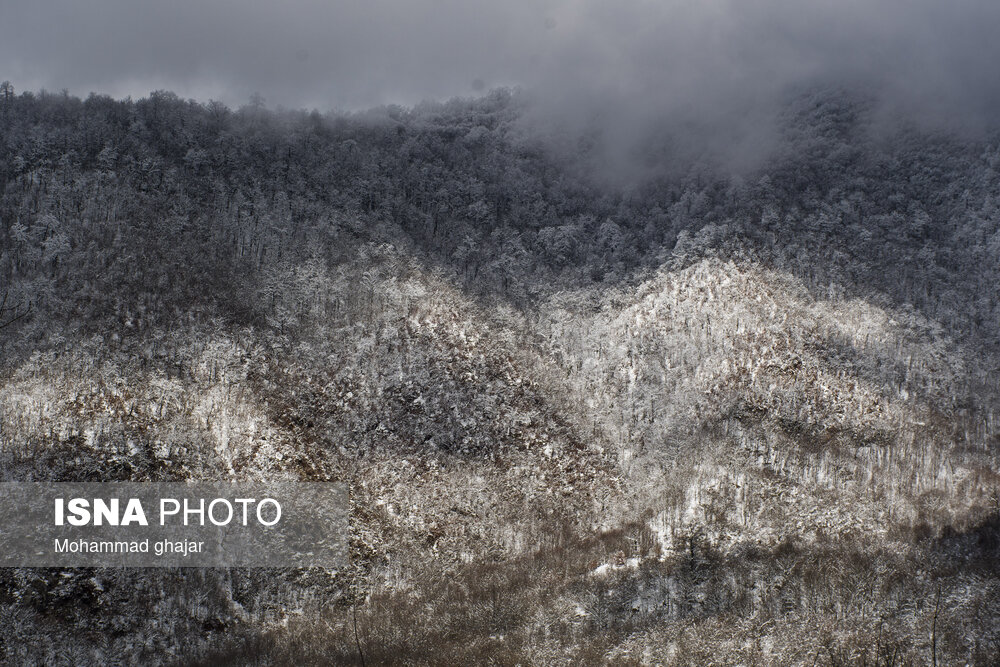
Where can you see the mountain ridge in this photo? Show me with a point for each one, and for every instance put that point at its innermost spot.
(580, 424)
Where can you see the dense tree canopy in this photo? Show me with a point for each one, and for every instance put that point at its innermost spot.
(585, 417)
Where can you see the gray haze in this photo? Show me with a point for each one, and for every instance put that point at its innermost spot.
(717, 64)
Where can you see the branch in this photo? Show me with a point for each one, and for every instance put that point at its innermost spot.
(4, 310)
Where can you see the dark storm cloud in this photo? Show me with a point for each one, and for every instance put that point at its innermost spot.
(294, 52)
(709, 62)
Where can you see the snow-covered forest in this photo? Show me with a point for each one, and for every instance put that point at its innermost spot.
(706, 415)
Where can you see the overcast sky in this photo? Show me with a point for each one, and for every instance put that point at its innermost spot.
(706, 56)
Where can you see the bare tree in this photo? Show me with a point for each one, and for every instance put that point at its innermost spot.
(12, 313)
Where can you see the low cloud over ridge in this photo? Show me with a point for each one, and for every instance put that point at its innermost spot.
(714, 63)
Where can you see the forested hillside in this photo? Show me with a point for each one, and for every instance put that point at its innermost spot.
(744, 416)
